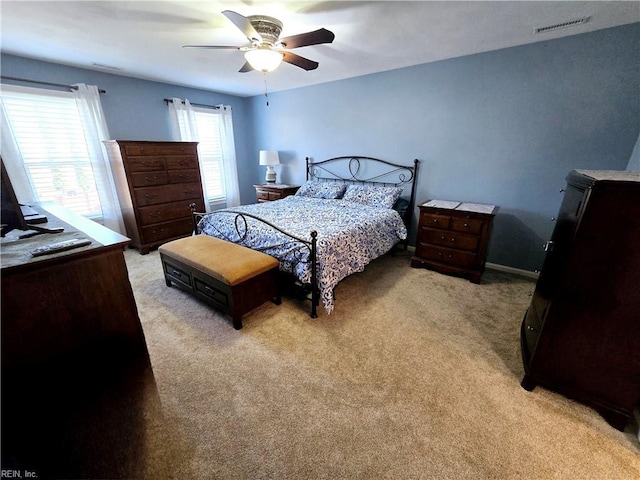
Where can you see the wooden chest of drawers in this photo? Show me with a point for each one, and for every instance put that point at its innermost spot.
(453, 238)
(156, 182)
(274, 191)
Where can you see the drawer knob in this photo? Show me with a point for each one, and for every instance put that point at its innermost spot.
(442, 237)
(450, 256)
(177, 273)
(530, 328)
(435, 220)
(453, 239)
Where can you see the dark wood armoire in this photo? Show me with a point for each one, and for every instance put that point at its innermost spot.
(581, 334)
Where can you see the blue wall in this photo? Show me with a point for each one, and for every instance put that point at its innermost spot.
(502, 127)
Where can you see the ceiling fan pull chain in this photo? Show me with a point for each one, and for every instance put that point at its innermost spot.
(266, 93)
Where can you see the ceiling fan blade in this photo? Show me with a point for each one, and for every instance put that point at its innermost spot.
(243, 24)
(316, 37)
(299, 61)
(246, 68)
(227, 47)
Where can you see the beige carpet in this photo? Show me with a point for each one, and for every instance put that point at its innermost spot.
(415, 375)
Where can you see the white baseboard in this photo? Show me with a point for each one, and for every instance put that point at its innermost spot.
(515, 271)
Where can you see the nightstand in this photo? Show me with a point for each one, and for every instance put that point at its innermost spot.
(268, 192)
(453, 237)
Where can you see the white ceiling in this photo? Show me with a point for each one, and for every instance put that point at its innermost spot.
(144, 39)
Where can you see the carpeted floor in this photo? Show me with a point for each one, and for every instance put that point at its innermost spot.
(415, 375)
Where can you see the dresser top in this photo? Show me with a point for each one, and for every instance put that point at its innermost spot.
(624, 175)
(461, 206)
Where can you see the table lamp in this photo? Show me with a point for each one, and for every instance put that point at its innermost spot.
(269, 158)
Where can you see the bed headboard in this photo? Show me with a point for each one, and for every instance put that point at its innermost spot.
(355, 169)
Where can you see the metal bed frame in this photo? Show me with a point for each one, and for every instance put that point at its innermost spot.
(395, 175)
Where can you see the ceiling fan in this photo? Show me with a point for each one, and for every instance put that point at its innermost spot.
(266, 49)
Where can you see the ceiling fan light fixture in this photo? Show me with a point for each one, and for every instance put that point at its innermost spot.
(264, 59)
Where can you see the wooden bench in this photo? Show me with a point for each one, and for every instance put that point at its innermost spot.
(230, 277)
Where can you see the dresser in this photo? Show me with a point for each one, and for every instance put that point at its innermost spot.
(453, 237)
(269, 192)
(580, 335)
(65, 304)
(75, 366)
(156, 182)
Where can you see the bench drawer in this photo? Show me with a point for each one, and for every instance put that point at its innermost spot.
(218, 295)
(177, 274)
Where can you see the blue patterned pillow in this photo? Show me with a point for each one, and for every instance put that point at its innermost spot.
(372, 195)
(331, 190)
(309, 189)
(327, 190)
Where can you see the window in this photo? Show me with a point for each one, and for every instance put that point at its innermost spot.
(212, 128)
(210, 153)
(49, 133)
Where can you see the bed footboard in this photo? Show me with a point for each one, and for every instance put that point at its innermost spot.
(238, 229)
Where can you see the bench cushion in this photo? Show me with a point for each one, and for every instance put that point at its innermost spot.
(225, 261)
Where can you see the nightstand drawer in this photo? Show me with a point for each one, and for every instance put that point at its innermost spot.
(448, 239)
(434, 220)
(449, 256)
(262, 195)
(467, 225)
(269, 193)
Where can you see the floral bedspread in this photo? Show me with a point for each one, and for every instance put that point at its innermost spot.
(350, 235)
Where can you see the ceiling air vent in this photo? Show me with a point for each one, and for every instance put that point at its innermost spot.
(107, 67)
(558, 26)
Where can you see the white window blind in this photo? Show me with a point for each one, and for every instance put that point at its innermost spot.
(49, 133)
(210, 152)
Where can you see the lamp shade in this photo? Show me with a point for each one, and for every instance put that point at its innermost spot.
(263, 59)
(269, 157)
